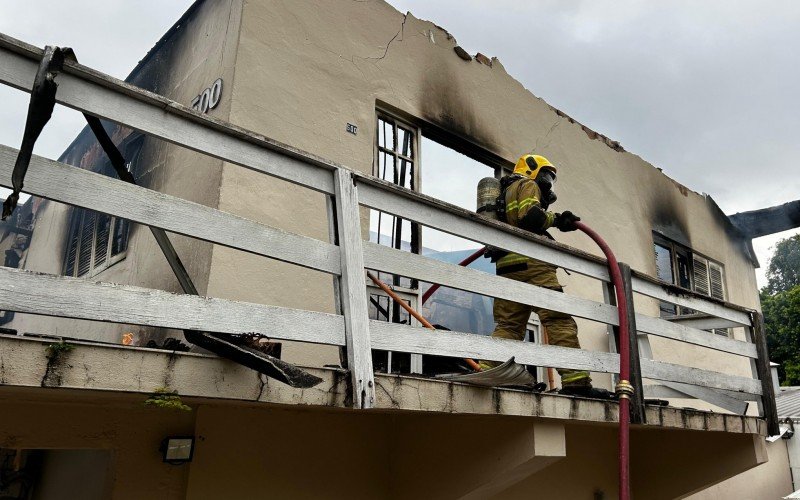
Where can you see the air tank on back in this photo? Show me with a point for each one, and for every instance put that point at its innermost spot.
(488, 193)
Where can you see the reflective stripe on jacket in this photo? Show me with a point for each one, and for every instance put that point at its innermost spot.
(524, 210)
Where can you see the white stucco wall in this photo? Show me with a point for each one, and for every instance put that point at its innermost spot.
(305, 70)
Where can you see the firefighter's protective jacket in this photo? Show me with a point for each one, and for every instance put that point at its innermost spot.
(524, 210)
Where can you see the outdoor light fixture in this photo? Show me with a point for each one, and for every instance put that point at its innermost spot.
(177, 450)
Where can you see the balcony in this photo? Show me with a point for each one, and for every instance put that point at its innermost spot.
(129, 371)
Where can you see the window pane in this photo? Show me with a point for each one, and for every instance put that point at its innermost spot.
(385, 167)
(380, 133)
(119, 241)
(404, 173)
(405, 138)
(684, 273)
(378, 307)
(385, 134)
(664, 263)
(667, 309)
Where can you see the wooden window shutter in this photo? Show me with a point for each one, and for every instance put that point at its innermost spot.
(716, 279)
(700, 272)
(86, 242)
(101, 239)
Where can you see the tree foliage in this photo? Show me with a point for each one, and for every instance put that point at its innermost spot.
(783, 272)
(782, 324)
(780, 303)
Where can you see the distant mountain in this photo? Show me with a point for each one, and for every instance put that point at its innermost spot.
(455, 309)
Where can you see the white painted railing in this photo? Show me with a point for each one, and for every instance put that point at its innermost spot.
(99, 95)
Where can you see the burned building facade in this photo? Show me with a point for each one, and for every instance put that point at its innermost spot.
(362, 85)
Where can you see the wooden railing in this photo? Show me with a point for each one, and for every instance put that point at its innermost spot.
(349, 191)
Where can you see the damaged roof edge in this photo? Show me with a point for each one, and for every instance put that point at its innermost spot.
(164, 39)
(734, 231)
(143, 62)
(590, 133)
(490, 62)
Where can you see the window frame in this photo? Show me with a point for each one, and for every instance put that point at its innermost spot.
(132, 145)
(675, 249)
(415, 159)
(76, 232)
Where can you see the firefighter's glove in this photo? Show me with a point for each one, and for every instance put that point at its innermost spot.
(565, 221)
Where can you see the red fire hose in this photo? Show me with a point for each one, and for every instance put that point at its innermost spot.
(624, 388)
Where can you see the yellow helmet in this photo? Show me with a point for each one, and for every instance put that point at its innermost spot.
(530, 165)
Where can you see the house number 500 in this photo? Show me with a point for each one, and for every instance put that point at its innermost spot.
(209, 98)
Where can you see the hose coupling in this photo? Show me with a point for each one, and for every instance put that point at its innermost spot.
(624, 389)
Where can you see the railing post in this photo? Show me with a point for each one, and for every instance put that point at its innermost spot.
(637, 400)
(765, 374)
(353, 290)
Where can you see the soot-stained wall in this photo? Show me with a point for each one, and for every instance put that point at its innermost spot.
(305, 70)
(199, 49)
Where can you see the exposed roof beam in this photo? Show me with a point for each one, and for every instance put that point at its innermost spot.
(766, 221)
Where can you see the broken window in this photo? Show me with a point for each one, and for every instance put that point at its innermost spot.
(450, 173)
(396, 154)
(452, 176)
(395, 162)
(679, 265)
(381, 308)
(97, 240)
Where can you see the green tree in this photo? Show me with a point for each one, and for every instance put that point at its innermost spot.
(783, 271)
(780, 302)
(782, 325)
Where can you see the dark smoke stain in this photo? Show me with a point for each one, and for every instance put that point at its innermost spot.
(668, 217)
(446, 105)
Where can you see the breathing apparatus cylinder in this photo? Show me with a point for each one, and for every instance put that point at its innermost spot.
(488, 193)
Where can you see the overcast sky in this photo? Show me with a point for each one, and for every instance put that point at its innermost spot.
(708, 90)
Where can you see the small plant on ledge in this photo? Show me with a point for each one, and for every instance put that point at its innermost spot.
(56, 350)
(167, 399)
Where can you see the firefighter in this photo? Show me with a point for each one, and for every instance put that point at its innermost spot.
(527, 193)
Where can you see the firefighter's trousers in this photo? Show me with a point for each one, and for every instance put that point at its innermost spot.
(511, 318)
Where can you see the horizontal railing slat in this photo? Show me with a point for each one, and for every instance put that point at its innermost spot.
(675, 331)
(100, 95)
(394, 261)
(75, 186)
(469, 225)
(659, 291)
(49, 295)
(404, 338)
(658, 370)
(703, 323)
